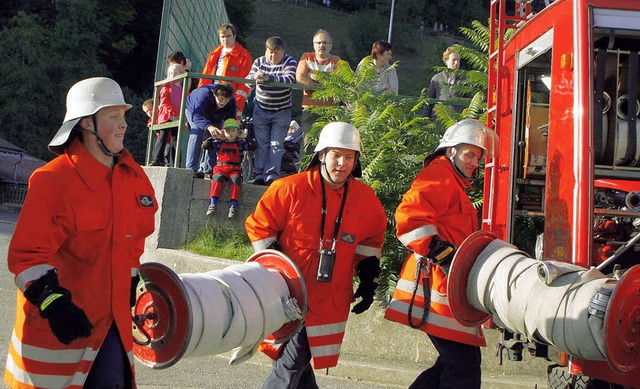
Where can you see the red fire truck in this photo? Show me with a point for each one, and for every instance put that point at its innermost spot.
(563, 98)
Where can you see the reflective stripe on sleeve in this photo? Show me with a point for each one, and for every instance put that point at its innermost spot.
(264, 243)
(368, 251)
(418, 233)
(31, 274)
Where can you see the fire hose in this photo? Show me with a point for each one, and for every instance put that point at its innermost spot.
(579, 311)
(236, 308)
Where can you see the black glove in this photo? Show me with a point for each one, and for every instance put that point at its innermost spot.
(441, 253)
(67, 321)
(134, 288)
(368, 271)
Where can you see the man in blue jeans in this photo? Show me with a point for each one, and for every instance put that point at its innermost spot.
(272, 110)
(206, 109)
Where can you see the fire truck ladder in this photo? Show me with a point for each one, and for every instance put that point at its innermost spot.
(499, 23)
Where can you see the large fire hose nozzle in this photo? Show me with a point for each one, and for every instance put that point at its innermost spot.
(237, 308)
(579, 311)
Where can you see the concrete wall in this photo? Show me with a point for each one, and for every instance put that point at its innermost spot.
(183, 202)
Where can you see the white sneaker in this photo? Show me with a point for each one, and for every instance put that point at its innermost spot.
(212, 208)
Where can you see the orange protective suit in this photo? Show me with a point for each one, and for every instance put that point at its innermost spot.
(90, 223)
(236, 63)
(290, 212)
(436, 204)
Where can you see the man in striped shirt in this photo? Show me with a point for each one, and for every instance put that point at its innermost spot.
(272, 109)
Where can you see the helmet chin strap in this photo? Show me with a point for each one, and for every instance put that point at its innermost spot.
(101, 145)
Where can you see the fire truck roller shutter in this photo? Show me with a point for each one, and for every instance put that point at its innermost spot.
(555, 303)
(214, 312)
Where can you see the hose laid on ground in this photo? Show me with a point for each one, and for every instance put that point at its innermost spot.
(549, 302)
(236, 308)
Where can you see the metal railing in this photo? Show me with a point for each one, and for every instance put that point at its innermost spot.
(181, 122)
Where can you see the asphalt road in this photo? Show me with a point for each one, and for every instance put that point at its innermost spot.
(365, 362)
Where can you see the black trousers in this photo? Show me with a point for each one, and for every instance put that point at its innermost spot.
(457, 366)
(111, 367)
(293, 368)
(159, 156)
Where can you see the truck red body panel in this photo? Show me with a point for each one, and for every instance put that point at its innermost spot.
(568, 165)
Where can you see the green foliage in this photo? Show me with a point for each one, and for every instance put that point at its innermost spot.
(222, 243)
(48, 49)
(395, 138)
(365, 28)
(241, 14)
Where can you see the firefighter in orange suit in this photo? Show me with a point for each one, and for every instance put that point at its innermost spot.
(331, 226)
(76, 248)
(434, 217)
(232, 60)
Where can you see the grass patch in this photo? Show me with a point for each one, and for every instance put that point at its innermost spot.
(224, 243)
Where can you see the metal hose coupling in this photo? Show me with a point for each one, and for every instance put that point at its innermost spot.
(599, 303)
(291, 309)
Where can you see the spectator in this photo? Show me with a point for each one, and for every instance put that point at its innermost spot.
(76, 248)
(148, 107)
(322, 206)
(206, 109)
(320, 60)
(440, 85)
(178, 57)
(387, 79)
(232, 60)
(272, 109)
(168, 111)
(291, 155)
(230, 148)
(434, 217)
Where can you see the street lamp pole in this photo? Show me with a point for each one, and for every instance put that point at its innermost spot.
(393, 5)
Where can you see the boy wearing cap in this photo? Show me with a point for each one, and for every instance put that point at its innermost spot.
(230, 148)
(76, 248)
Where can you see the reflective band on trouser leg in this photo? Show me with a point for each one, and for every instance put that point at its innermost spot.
(55, 368)
(440, 321)
(325, 342)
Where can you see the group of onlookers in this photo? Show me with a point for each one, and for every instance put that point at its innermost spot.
(213, 102)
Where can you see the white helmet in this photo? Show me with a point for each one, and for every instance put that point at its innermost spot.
(472, 132)
(85, 98)
(339, 135)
